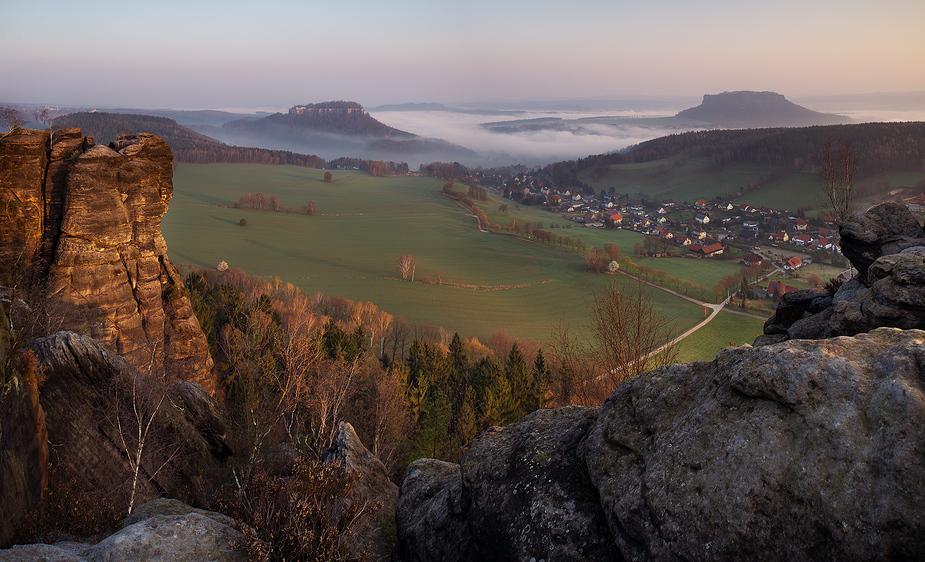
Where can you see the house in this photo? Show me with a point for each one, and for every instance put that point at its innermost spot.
(714, 249)
(774, 285)
(699, 233)
(668, 203)
(916, 204)
(588, 216)
(746, 208)
(666, 234)
(802, 239)
(748, 235)
(684, 240)
(800, 224)
(765, 210)
(750, 224)
(701, 218)
(793, 263)
(824, 244)
(780, 237)
(752, 259)
(725, 206)
(615, 216)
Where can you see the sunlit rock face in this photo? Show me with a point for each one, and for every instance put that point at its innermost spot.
(90, 215)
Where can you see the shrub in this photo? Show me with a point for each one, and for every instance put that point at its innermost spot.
(242, 222)
(308, 516)
(68, 508)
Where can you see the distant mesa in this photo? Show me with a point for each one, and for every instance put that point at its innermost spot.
(337, 107)
(757, 109)
(332, 117)
(336, 128)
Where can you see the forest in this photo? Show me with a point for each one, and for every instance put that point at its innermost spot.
(881, 147)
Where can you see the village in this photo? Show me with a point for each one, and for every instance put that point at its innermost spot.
(778, 239)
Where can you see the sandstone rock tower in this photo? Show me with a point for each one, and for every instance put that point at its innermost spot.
(90, 216)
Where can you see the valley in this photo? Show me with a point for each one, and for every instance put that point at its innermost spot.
(489, 282)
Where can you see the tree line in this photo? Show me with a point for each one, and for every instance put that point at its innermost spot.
(260, 202)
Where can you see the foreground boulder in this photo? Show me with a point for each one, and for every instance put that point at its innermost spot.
(803, 450)
(162, 530)
(520, 493)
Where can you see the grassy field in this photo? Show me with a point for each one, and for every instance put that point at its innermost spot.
(726, 329)
(363, 224)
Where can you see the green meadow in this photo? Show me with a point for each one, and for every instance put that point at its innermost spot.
(361, 227)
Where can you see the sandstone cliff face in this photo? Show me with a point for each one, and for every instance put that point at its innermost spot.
(91, 215)
(23, 439)
(23, 163)
(90, 397)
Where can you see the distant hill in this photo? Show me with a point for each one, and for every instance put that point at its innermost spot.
(755, 110)
(335, 129)
(186, 144)
(337, 117)
(883, 148)
(106, 128)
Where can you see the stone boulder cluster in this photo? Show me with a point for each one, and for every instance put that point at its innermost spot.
(89, 216)
(809, 445)
(886, 246)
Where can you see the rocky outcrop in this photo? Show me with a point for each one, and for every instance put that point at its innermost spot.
(882, 230)
(802, 450)
(23, 438)
(90, 397)
(91, 216)
(520, 493)
(163, 530)
(23, 164)
(372, 487)
(886, 246)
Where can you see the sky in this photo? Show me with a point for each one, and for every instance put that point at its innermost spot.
(193, 54)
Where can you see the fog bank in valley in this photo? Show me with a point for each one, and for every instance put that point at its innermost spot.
(529, 147)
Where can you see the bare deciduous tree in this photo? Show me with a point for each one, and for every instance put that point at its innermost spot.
(628, 337)
(838, 166)
(11, 118)
(406, 267)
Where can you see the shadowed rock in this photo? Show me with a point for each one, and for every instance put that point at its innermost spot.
(803, 450)
(520, 493)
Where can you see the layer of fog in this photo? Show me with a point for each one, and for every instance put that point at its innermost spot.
(535, 147)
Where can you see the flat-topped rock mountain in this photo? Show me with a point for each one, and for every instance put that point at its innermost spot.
(757, 110)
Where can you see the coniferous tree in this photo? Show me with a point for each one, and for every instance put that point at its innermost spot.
(519, 381)
(539, 385)
(496, 405)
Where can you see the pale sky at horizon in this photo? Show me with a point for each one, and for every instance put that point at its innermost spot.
(236, 54)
